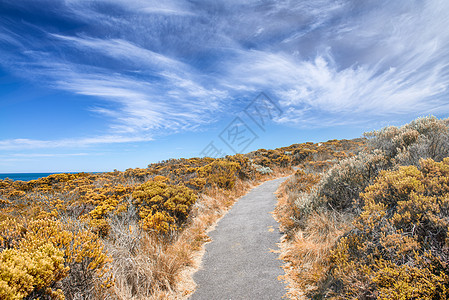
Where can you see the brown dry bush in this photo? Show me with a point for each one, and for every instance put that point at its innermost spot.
(147, 265)
(287, 212)
(143, 264)
(312, 228)
(307, 251)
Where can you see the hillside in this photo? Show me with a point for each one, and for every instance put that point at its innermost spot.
(366, 218)
(132, 234)
(373, 226)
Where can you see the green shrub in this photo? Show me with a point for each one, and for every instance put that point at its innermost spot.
(342, 184)
(426, 137)
(263, 170)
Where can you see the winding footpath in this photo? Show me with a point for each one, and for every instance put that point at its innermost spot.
(239, 262)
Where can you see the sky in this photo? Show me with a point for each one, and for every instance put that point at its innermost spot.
(98, 85)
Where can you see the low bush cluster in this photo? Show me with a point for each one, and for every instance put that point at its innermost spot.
(342, 184)
(399, 246)
(288, 211)
(386, 212)
(263, 170)
(68, 236)
(300, 154)
(162, 207)
(43, 257)
(426, 137)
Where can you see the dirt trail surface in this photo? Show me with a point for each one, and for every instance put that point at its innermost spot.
(238, 263)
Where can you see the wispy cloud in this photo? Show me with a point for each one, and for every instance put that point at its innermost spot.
(399, 65)
(152, 92)
(153, 66)
(124, 50)
(18, 144)
(167, 7)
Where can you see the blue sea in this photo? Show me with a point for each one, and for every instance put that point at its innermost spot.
(32, 176)
(24, 176)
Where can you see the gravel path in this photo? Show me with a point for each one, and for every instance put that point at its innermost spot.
(238, 263)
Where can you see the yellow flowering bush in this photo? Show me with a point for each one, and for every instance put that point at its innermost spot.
(49, 254)
(53, 230)
(221, 173)
(399, 246)
(162, 207)
(22, 272)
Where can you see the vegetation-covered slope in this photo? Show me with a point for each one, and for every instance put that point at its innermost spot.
(376, 225)
(132, 234)
(364, 218)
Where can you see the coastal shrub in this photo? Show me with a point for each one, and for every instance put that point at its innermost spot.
(138, 174)
(288, 211)
(319, 166)
(11, 231)
(246, 170)
(53, 229)
(399, 246)
(31, 272)
(311, 226)
(52, 259)
(339, 187)
(263, 170)
(162, 207)
(426, 137)
(370, 229)
(107, 200)
(283, 161)
(220, 173)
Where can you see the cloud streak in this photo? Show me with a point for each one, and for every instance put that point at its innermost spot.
(400, 68)
(19, 144)
(153, 66)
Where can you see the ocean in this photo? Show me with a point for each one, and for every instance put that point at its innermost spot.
(32, 176)
(24, 176)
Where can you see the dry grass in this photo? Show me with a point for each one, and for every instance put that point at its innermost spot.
(306, 255)
(306, 244)
(287, 213)
(147, 266)
(284, 212)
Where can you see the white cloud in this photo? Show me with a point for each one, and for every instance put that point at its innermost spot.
(407, 73)
(172, 65)
(124, 50)
(172, 98)
(166, 7)
(19, 144)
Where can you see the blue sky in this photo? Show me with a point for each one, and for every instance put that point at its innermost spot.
(110, 84)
